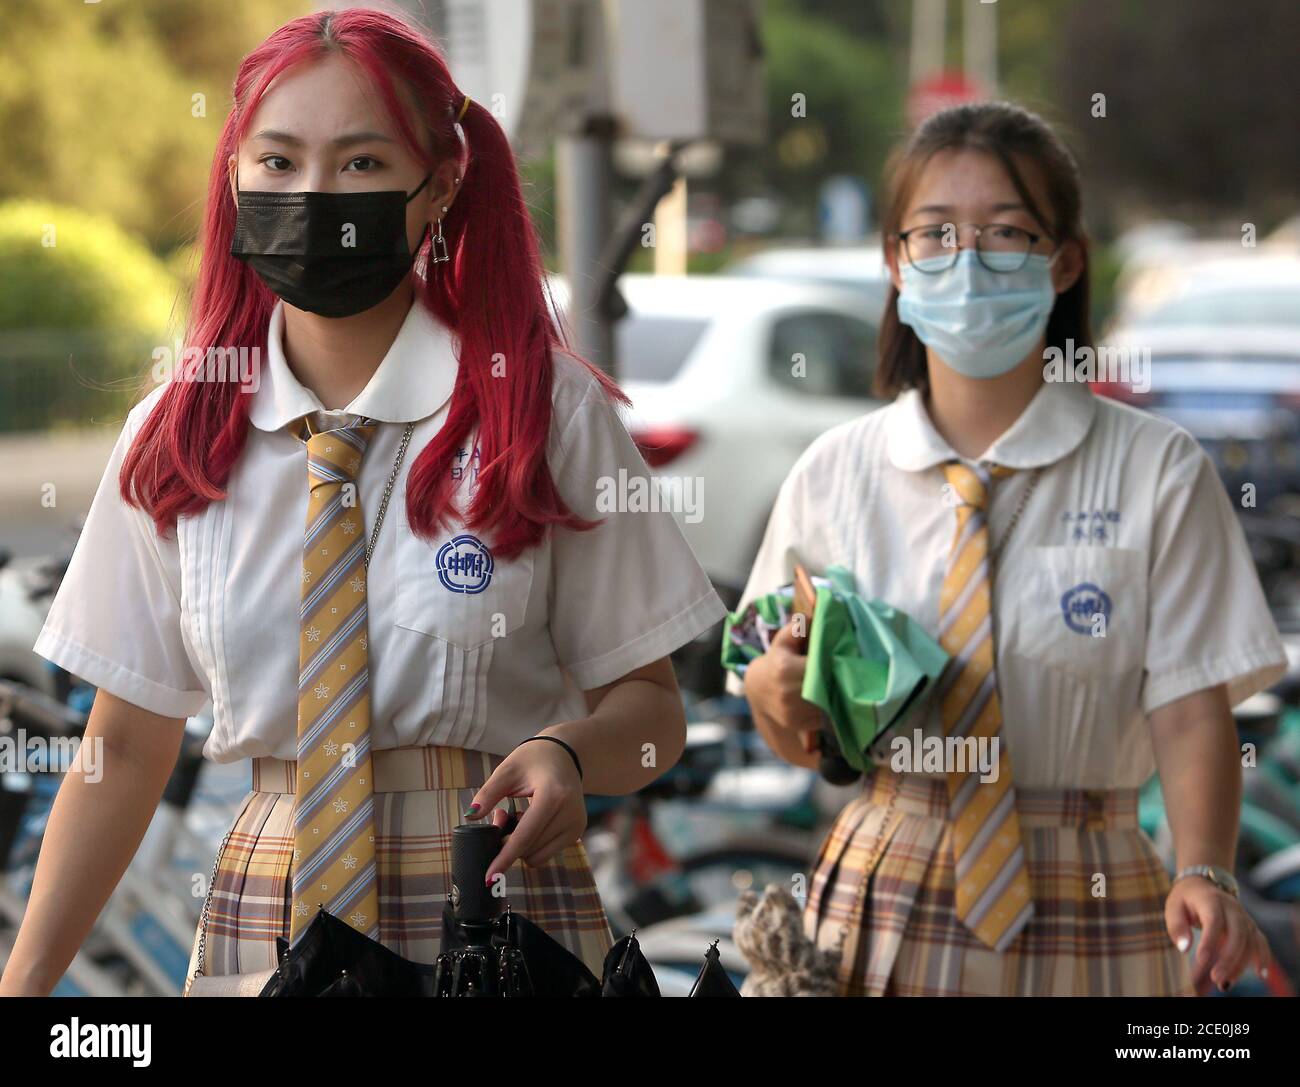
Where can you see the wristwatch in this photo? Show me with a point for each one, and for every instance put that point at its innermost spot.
(1220, 877)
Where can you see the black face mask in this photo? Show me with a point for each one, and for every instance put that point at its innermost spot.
(330, 253)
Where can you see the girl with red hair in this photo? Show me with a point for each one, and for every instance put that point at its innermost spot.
(366, 244)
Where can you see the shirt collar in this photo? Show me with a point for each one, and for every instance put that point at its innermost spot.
(414, 379)
(1054, 424)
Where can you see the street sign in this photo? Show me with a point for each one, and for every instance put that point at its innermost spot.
(672, 69)
(940, 92)
(687, 69)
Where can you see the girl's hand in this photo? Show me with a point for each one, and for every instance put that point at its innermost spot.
(774, 684)
(556, 815)
(1230, 939)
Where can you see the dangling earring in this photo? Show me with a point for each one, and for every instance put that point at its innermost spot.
(439, 245)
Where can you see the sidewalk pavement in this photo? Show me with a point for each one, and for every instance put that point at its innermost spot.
(72, 461)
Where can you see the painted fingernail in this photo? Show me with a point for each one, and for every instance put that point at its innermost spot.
(1184, 943)
(470, 811)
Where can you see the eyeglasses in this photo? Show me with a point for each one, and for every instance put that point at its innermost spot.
(1000, 247)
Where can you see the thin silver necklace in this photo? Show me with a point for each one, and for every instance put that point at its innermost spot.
(996, 551)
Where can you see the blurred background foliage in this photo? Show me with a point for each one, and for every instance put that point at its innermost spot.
(110, 111)
(98, 104)
(1202, 106)
(853, 86)
(64, 267)
(82, 304)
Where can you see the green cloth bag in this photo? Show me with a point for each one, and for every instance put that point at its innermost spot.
(870, 666)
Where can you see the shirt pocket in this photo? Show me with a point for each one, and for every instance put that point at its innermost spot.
(455, 589)
(1079, 610)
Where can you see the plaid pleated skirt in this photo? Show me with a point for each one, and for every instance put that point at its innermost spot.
(420, 795)
(1098, 885)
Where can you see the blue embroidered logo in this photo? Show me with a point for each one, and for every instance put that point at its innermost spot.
(1081, 604)
(465, 564)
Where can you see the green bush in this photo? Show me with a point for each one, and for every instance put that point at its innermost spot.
(63, 268)
(82, 306)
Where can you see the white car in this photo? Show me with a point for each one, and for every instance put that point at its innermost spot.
(1225, 362)
(1192, 288)
(731, 378)
(859, 267)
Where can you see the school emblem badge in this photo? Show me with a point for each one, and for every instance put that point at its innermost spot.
(1081, 605)
(465, 564)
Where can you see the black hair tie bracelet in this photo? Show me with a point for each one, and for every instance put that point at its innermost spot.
(556, 740)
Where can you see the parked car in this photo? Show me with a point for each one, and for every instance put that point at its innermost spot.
(1224, 349)
(731, 378)
(858, 267)
(1200, 286)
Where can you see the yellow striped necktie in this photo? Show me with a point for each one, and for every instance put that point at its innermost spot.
(993, 895)
(334, 830)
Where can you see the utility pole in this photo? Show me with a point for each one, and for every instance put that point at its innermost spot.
(583, 188)
(584, 73)
(929, 29)
(582, 184)
(980, 45)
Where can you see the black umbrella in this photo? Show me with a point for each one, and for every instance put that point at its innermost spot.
(488, 950)
(334, 959)
(713, 979)
(626, 971)
(493, 953)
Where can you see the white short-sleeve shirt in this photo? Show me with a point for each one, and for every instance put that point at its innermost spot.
(1127, 518)
(211, 611)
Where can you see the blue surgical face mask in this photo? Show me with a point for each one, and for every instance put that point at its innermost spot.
(981, 323)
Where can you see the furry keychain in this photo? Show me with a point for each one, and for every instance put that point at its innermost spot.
(769, 933)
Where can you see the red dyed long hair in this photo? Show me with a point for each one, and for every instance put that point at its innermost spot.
(490, 294)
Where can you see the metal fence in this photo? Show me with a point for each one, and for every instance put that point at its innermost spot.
(51, 377)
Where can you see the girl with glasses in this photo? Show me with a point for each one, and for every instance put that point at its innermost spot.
(1080, 563)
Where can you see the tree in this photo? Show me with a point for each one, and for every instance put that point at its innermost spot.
(834, 106)
(116, 108)
(1202, 104)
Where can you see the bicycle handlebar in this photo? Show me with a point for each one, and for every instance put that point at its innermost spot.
(30, 708)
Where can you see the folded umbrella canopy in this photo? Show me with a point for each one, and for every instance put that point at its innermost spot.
(870, 666)
(713, 979)
(488, 950)
(626, 971)
(490, 953)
